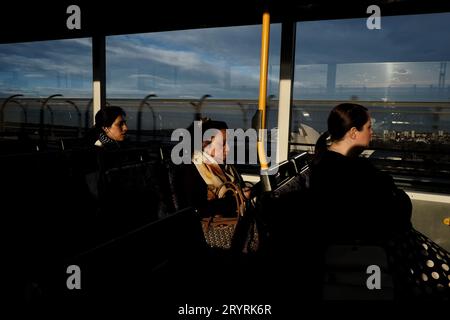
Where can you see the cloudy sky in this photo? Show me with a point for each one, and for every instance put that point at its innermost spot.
(224, 62)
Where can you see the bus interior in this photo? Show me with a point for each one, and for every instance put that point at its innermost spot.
(168, 64)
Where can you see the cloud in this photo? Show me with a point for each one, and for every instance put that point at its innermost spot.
(127, 51)
(34, 75)
(233, 45)
(86, 42)
(401, 71)
(146, 76)
(224, 62)
(410, 38)
(65, 56)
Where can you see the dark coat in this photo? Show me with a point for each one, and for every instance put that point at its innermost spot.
(354, 200)
(193, 192)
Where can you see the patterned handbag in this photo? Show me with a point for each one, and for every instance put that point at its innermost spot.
(421, 268)
(221, 232)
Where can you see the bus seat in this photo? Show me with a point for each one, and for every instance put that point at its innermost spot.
(171, 173)
(300, 161)
(346, 273)
(147, 261)
(279, 175)
(129, 186)
(275, 208)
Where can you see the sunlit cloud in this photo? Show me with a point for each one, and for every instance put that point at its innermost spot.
(34, 75)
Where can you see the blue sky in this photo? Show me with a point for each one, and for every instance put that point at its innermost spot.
(224, 62)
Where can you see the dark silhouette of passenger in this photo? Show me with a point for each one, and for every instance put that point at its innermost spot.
(124, 185)
(354, 199)
(201, 184)
(208, 172)
(358, 204)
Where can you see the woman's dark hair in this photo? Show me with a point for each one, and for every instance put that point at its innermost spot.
(106, 116)
(342, 118)
(206, 125)
(213, 124)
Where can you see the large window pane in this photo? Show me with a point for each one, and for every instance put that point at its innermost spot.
(36, 70)
(182, 66)
(401, 73)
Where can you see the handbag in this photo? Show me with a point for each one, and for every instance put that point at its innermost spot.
(231, 232)
(421, 268)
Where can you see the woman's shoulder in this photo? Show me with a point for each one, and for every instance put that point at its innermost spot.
(329, 160)
(188, 172)
(335, 166)
(329, 169)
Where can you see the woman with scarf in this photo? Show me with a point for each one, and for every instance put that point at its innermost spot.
(211, 185)
(111, 127)
(203, 181)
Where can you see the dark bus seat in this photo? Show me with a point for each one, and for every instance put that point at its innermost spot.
(131, 187)
(129, 155)
(300, 161)
(346, 273)
(279, 175)
(148, 262)
(287, 226)
(287, 185)
(286, 206)
(171, 172)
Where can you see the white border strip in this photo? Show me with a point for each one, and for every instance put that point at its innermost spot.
(432, 197)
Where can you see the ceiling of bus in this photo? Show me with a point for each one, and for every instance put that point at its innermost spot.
(47, 20)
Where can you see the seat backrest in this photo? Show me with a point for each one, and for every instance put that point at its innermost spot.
(300, 161)
(280, 174)
(172, 175)
(285, 206)
(145, 257)
(132, 188)
(347, 271)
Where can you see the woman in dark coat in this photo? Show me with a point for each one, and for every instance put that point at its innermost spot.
(215, 188)
(353, 198)
(200, 181)
(357, 202)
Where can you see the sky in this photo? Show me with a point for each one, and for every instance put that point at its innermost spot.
(406, 55)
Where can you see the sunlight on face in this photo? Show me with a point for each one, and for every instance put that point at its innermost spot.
(218, 148)
(117, 131)
(364, 136)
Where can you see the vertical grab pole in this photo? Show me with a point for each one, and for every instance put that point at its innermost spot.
(263, 88)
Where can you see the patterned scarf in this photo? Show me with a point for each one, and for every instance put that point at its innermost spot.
(219, 181)
(210, 170)
(104, 140)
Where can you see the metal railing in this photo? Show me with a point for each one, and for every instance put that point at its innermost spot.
(12, 99)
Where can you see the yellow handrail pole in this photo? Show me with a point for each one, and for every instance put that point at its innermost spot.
(263, 87)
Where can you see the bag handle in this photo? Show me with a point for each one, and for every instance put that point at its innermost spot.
(237, 193)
